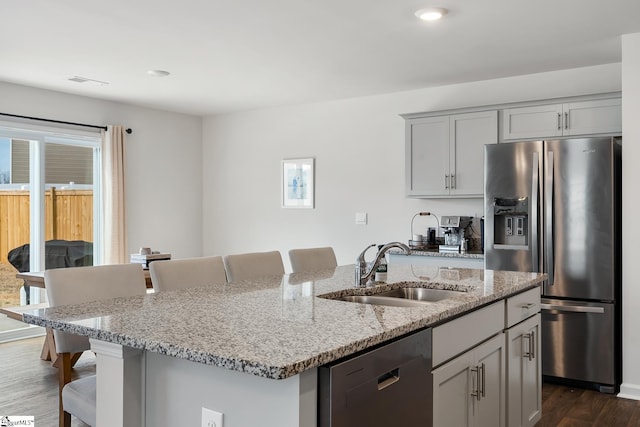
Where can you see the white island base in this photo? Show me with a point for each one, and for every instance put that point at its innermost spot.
(174, 391)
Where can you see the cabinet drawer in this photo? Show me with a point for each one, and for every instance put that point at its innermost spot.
(459, 335)
(522, 306)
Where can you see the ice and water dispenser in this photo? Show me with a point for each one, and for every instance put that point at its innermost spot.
(511, 222)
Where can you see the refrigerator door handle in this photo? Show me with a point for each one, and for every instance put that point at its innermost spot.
(549, 217)
(572, 308)
(535, 183)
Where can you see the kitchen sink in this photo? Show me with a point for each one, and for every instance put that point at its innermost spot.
(402, 297)
(420, 294)
(382, 300)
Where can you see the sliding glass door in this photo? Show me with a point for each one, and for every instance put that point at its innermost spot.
(49, 207)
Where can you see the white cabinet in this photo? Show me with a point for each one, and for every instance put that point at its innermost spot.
(602, 116)
(524, 367)
(451, 388)
(427, 156)
(468, 135)
(487, 370)
(470, 389)
(468, 356)
(524, 386)
(443, 154)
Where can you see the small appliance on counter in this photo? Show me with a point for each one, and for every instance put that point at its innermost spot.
(454, 228)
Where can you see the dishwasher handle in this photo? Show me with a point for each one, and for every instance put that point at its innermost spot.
(572, 308)
(388, 379)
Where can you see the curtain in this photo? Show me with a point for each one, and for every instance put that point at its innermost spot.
(113, 209)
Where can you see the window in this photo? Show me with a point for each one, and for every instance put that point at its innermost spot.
(49, 204)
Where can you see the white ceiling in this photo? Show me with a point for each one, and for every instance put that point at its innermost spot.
(235, 55)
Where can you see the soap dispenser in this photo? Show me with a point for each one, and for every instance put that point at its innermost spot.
(381, 270)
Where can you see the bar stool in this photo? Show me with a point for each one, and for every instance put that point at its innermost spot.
(185, 273)
(79, 285)
(253, 265)
(312, 259)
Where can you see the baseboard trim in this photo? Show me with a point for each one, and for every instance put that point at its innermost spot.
(29, 331)
(629, 391)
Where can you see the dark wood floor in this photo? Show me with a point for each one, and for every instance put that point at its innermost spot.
(575, 407)
(28, 386)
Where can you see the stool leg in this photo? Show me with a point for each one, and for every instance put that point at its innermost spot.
(64, 377)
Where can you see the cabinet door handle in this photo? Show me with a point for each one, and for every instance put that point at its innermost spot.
(559, 121)
(528, 305)
(446, 182)
(475, 392)
(530, 349)
(566, 120)
(481, 369)
(453, 181)
(532, 346)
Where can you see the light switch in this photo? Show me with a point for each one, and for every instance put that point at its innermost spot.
(361, 218)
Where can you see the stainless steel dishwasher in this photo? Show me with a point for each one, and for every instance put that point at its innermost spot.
(390, 385)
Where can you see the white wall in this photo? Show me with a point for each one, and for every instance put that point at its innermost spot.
(163, 170)
(359, 149)
(630, 207)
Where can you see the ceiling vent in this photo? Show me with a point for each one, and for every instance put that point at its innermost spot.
(79, 79)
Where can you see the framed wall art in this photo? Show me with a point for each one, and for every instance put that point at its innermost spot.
(298, 183)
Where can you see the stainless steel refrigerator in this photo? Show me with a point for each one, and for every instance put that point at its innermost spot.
(554, 207)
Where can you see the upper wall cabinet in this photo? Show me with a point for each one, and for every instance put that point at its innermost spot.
(602, 116)
(444, 154)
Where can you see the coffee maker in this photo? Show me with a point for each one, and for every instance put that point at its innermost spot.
(454, 228)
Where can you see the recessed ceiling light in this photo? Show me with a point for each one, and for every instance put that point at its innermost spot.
(431, 13)
(158, 73)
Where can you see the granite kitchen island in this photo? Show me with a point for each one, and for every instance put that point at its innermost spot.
(251, 350)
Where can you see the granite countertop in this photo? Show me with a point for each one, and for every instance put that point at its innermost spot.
(434, 253)
(278, 327)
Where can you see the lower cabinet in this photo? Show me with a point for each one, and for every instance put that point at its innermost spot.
(524, 386)
(470, 389)
(487, 369)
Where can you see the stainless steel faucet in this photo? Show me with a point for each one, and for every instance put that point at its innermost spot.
(363, 275)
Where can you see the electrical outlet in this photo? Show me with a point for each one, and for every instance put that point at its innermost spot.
(211, 418)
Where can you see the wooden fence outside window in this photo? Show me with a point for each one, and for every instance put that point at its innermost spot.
(68, 216)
